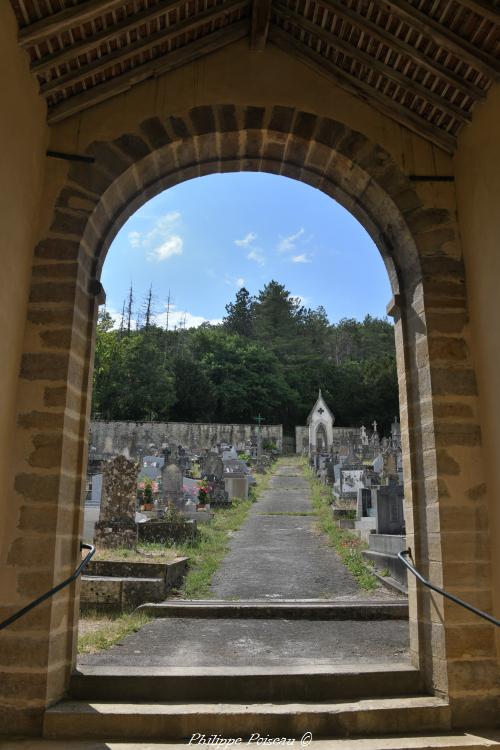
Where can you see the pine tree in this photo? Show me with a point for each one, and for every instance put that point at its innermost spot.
(239, 317)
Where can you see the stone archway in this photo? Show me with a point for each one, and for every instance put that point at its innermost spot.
(437, 385)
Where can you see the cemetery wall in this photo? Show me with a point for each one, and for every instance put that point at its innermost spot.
(341, 435)
(130, 438)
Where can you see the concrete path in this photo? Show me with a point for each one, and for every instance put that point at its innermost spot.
(197, 642)
(279, 553)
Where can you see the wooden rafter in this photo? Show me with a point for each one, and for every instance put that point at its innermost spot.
(403, 48)
(261, 16)
(385, 70)
(349, 82)
(193, 51)
(128, 24)
(483, 8)
(144, 44)
(443, 37)
(66, 19)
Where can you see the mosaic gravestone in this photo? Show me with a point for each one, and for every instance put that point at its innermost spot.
(116, 526)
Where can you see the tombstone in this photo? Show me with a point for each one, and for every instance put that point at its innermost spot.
(396, 434)
(116, 526)
(172, 485)
(390, 514)
(213, 466)
(229, 453)
(364, 502)
(378, 464)
(390, 465)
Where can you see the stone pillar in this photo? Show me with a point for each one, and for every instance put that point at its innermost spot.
(116, 526)
(43, 526)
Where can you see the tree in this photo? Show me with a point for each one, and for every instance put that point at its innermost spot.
(270, 355)
(239, 318)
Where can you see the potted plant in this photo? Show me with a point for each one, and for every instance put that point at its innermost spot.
(203, 494)
(147, 494)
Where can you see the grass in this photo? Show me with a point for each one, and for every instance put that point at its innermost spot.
(98, 632)
(206, 554)
(290, 513)
(347, 545)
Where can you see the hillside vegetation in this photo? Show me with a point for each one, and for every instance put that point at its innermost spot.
(269, 356)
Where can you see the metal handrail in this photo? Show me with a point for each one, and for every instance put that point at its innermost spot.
(53, 591)
(407, 553)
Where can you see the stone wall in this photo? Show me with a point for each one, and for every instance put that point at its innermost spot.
(130, 438)
(341, 435)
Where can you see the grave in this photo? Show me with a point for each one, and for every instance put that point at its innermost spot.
(116, 526)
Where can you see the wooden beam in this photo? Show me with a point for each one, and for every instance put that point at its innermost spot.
(443, 37)
(128, 24)
(193, 51)
(261, 17)
(403, 48)
(66, 19)
(142, 45)
(483, 8)
(385, 70)
(362, 90)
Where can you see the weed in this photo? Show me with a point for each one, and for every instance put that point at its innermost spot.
(347, 545)
(98, 632)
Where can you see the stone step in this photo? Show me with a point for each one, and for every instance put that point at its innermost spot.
(475, 740)
(161, 721)
(291, 609)
(267, 684)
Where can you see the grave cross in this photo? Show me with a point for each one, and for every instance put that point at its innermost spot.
(374, 426)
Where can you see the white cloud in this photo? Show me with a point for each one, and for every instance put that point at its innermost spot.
(304, 258)
(238, 282)
(182, 319)
(171, 246)
(288, 243)
(256, 256)
(247, 240)
(304, 301)
(134, 238)
(159, 240)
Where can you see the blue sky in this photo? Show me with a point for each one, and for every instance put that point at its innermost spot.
(207, 237)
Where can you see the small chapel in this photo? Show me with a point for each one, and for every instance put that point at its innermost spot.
(320, 435)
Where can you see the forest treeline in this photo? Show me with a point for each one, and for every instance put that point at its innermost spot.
(269, 356)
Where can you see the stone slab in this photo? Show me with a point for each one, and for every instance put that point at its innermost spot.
(476, 740)
(192, 642)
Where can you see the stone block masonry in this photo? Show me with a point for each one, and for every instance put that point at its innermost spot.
(134, 438)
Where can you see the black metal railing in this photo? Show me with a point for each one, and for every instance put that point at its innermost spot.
(53, 591)
(407, 553)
